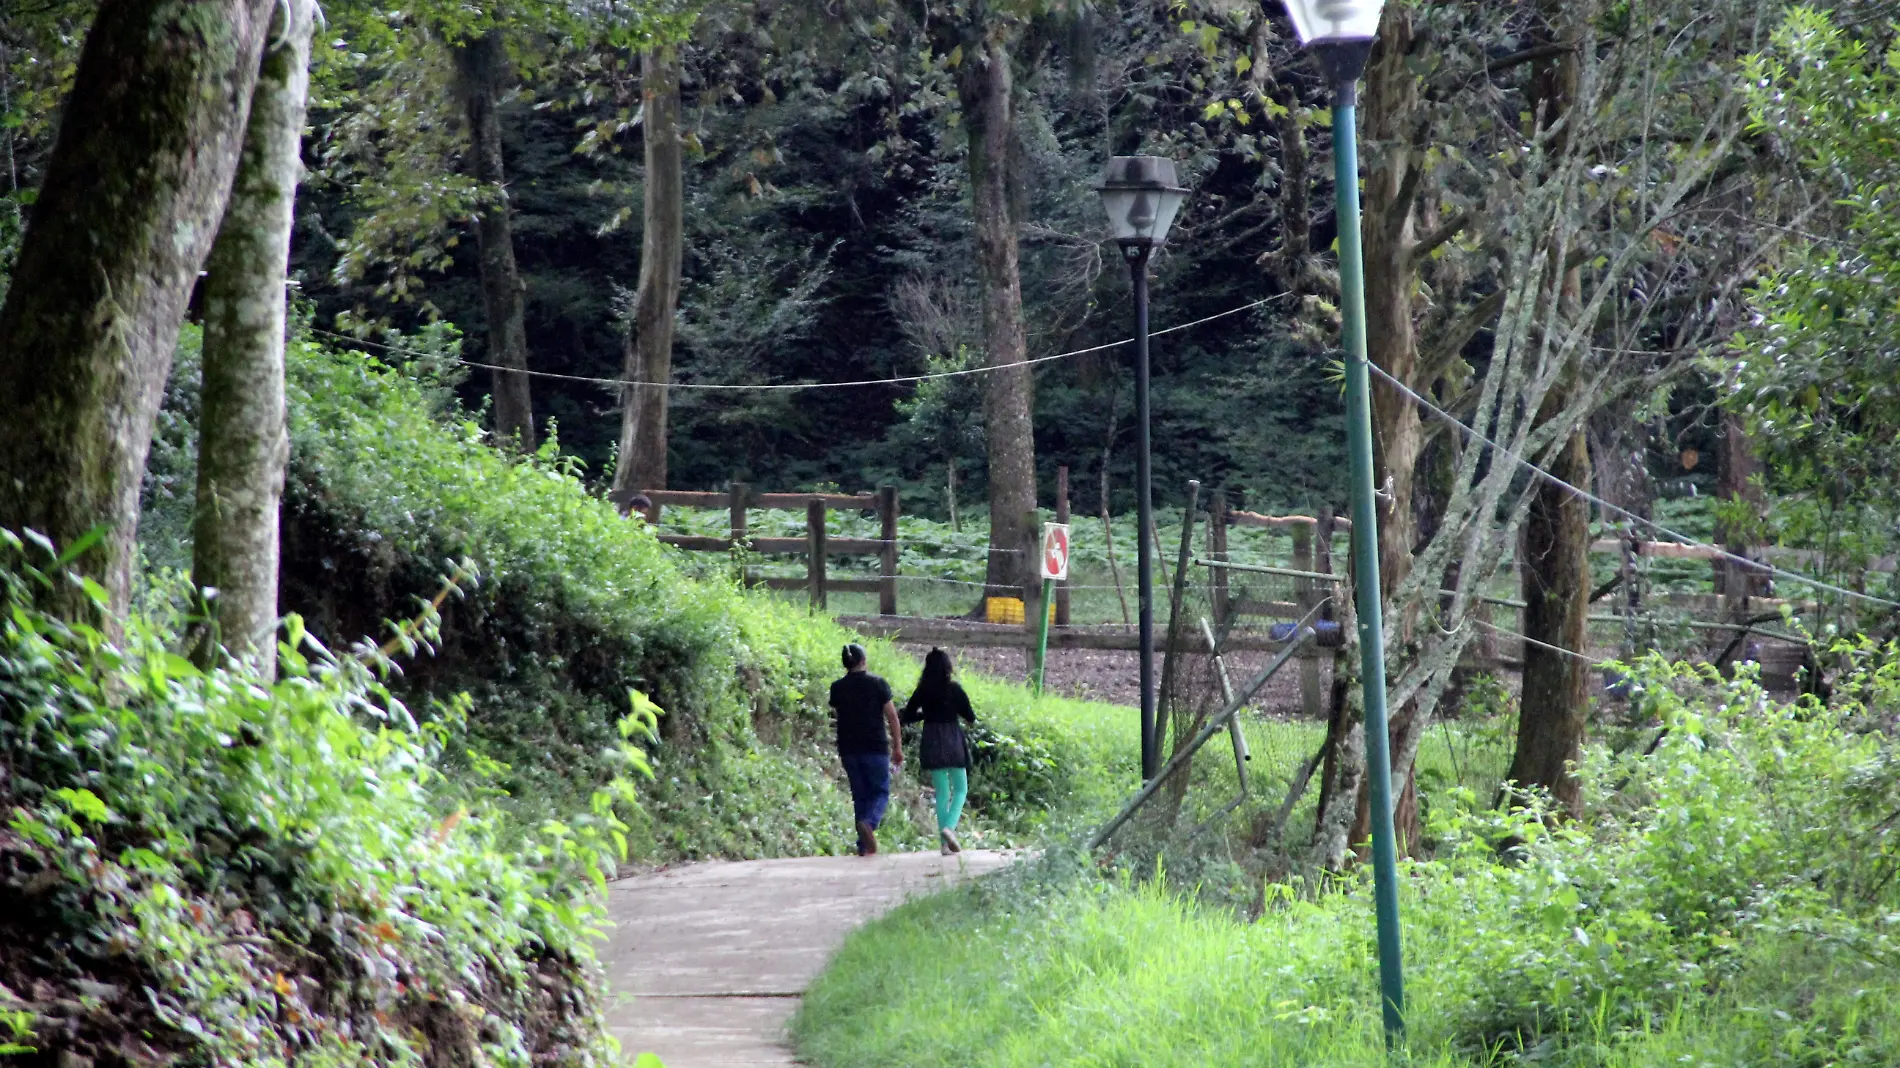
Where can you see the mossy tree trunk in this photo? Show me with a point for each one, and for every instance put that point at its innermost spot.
(135, 187)
(986, 90)
(649, 345)
(243, 442)
(481, 65)
(1555, 568)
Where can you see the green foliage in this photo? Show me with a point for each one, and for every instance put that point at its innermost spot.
(575, 608)
(1730, 898)
(244, 872)
(1820, 362)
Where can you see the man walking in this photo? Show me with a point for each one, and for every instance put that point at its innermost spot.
(869, 743)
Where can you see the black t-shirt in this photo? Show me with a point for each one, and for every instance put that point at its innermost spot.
(859, 700)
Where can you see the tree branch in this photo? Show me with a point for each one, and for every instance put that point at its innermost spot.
(1528, 55)
(1430, 243)
(1460, 332)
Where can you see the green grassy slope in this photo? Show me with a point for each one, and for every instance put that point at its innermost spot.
(1731, 899)
(392, 489)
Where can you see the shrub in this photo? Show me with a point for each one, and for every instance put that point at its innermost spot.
(243, 873)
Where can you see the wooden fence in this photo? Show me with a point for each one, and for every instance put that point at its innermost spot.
(817, 546)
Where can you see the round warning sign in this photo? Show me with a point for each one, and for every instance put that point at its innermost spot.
(1055, 551)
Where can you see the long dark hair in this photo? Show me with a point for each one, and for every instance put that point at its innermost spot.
(934, 684)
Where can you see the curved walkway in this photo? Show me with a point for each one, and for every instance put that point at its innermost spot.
(707, 961)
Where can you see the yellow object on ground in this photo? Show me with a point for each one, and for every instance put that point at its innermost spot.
(1003, 609)
(1011, 610)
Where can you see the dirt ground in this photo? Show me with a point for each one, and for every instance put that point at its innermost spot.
(1113, 675)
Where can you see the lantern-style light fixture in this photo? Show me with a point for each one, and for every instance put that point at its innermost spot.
(1335, 21)
(1141, 195)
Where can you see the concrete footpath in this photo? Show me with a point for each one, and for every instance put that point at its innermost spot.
(707, 961)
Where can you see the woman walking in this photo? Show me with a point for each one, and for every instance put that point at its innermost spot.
(939, 703)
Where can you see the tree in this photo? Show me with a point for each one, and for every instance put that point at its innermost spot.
(481, 66)
(243, 441)
(985, 93)
(649, 344)
(1521, 294)
(1815, 384)
(134, 190)
(1554, 558)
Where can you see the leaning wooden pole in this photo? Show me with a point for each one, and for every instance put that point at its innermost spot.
(1214, 726)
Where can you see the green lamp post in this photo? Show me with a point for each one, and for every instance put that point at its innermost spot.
(1340, 33)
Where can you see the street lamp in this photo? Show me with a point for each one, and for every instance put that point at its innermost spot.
(1340, 33)
(1141, 196)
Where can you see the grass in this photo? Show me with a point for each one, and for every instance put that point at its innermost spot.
(1731, 900)
(1086, 973)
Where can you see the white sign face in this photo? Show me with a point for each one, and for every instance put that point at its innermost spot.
(1055, 551)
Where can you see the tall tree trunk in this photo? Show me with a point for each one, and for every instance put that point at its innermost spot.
(481, 65)
(1556, 585)
(1555, 569)
(137, 182)
(985, 89)
(649, 346)
(1389, 114)
(242, 440)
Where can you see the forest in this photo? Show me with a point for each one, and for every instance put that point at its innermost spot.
(352, 680)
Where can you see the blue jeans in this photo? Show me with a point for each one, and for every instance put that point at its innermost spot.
(870, 777)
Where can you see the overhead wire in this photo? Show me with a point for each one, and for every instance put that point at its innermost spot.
(1718, 551)
(799, 386)
(1424, 403)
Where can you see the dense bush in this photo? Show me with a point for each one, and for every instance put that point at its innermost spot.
(1730, 898)
(209, 866)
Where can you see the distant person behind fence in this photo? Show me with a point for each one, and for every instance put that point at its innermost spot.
(939, 703)
(869, 743)
(639, 504)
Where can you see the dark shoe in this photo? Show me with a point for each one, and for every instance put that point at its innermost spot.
(950, 843)
(867, 840)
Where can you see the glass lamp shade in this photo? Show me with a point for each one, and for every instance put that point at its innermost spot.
(1335, 21)
(1141, 196)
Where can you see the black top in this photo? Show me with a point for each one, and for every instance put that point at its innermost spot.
(859, 699)
(944, 744)
(947, 706)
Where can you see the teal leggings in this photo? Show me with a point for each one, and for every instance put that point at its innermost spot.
(953, 785)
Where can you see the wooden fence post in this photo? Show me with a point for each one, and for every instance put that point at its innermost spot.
(1323, 561)
(740, 493)
(1062, 516)
(887, 563)
(815, 550)
(1304, 559)
(1632, 588)
(1217, 550)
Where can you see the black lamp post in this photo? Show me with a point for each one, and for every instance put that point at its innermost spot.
(1141, 196)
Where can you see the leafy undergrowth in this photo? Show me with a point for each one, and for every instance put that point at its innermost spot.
(392, 487)
(202, 867)
(1730, 899)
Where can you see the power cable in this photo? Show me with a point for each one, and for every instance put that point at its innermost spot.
(1626, 513)
(796, 386)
